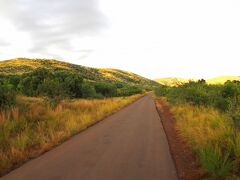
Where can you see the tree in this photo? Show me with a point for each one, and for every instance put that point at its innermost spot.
(106, 89)
(53, 90)
(7, 95)
(88, 90)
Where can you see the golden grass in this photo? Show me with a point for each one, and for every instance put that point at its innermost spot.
(32, 127)
(213, 138)
(202, 124)
(34, 63)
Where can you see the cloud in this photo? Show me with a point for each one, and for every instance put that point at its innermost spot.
(4, 43)
(53, 24)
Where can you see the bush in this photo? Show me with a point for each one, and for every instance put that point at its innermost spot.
(7, 95)
(129, 90)
(230, 90)
(236, 119)
(53, 90)
(106, 89)
(196, 96)
(222, 104)
(57, 84)
(41, 80)
(88, 91)
(161, 91)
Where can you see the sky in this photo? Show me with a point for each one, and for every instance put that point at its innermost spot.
(153, 38)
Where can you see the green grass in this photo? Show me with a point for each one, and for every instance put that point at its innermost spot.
(32, 127)
(214, 161)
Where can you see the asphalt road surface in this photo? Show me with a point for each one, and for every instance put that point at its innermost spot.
(129, 145)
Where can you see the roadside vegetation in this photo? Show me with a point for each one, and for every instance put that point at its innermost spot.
(44, 102)
(32, 126)
(208, 118)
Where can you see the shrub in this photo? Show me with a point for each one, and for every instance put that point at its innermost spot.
(106, 89)
(236, 119)
(7, 95)
(161, 91)
(88, 91)
(196, 96)
(214, 161)
(129, 90)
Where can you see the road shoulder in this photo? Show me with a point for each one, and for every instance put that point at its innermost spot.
(184, 159)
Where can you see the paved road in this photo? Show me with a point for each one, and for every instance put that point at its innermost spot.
(129, 145)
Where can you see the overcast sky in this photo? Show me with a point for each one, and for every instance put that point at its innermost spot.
(153, 38)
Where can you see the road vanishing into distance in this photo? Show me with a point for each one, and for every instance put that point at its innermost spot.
(129, 145)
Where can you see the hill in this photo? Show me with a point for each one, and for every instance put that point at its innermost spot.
(24, 65)
(173, 81)
(222, 79)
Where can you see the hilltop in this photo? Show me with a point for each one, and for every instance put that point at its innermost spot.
(222, 79)
(173, 81)
(25, 65)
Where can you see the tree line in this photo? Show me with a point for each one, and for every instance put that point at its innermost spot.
(56, 85)
(225, 98)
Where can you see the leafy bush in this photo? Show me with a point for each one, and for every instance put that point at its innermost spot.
(161, 91)
(53, 90)
(56, 84)
(88, 91)
(51, 83)
(196, 96)
(7, 95)
(223, 97)
(222, 104)
(129, 90)
(106, 89)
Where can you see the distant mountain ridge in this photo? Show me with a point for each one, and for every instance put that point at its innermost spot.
(222, 79)
(25, 65)
(173, 81)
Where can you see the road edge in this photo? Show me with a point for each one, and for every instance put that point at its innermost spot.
(184, 159)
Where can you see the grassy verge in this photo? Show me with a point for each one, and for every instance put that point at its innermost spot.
(31, 127)
(213, 137)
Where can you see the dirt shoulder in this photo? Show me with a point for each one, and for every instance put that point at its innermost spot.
(185, 161)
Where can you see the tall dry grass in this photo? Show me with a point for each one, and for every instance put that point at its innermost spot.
(213, 137)
(32, 127)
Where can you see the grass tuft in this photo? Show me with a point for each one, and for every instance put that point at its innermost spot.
(214, 161)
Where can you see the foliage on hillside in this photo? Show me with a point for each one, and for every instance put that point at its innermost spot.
(24, 65)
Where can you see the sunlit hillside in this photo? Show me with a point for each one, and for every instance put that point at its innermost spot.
(222, 79)
(24, 65)
(178, 81)
(172, 81)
